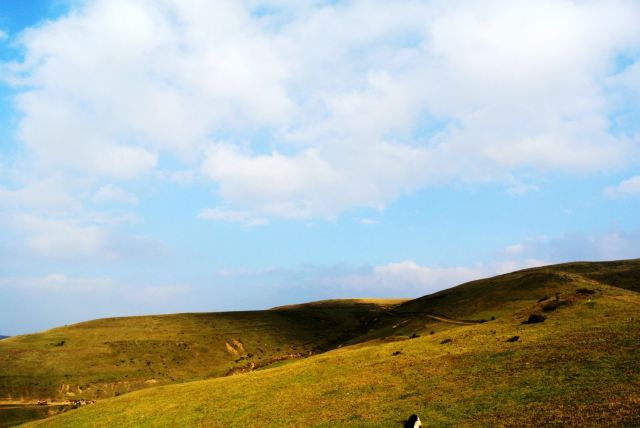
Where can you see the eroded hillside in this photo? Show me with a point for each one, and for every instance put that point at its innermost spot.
(108, 357)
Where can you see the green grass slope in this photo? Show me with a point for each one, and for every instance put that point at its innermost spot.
(107, 357)
(579, 367)
(482, 299)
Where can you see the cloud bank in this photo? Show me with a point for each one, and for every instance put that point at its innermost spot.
(308, 109)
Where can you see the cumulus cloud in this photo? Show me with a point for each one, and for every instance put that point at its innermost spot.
(113, 82)
(51, 194)
(625, 189)
(290, 120)
(307, 185)
(409, 278)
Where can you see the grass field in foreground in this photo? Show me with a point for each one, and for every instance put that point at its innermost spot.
(580, 367)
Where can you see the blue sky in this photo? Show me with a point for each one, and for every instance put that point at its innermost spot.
(169, 156)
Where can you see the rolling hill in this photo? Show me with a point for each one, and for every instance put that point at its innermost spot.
(108, 357)
(557, 345)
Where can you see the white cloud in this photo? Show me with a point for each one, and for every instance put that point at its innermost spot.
(398, 279)
(408, 275)
(220, 214)
(503, 86)
(572, 247)
(60, 238)
(183, 177)
(411, 279)
(628, 79)
(114, 77)
(3, 35)
(47, 218)
(275, 183)
(514, 250)
(58, 282)
(625, 189)
(53, 193)
(82, 298)
(82, 237)
(110, 193)
(308, 185)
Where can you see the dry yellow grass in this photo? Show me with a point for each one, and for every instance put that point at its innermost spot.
(577, 368)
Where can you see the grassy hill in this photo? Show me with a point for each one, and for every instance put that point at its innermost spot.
(578, 367)
(108, 357)
(502, 294)
(559, 345)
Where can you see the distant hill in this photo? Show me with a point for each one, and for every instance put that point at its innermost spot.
(503, 295)
(3, 337)
(492, 296)
(108, 357)
(551, 346)
(376, 305)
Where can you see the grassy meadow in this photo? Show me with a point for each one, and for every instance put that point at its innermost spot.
(578, 365)
(109, 357)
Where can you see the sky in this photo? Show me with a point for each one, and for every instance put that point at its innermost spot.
(162, 156)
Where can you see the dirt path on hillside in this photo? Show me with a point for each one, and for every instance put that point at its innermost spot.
(450, 320)
(438, 317)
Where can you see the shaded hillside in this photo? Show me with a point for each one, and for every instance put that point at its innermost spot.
(622, 273)
(542, 288)
(493, 297)
(108, 357)
(578, 366)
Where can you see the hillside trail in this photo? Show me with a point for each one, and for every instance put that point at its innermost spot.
(450, 320)
(438, 317)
